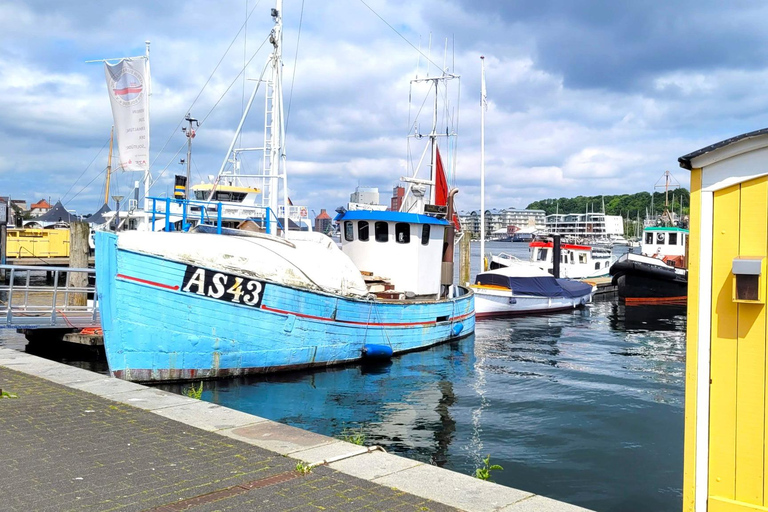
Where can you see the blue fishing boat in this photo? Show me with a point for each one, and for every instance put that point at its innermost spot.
(211, 301)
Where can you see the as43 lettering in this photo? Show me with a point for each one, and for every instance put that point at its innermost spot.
(219, 285)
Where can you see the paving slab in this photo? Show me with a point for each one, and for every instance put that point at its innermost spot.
(329, 451)
(454, 489)
(208, 416)
(375, 465)
(68, 375)
(542, 504)
(107, 386)
(149, 399)
(277, 437)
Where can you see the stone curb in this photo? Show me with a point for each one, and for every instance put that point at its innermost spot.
(429, 482)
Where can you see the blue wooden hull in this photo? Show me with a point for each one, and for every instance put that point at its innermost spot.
(154, 330)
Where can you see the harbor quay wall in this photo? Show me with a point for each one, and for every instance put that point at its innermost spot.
(124, 417)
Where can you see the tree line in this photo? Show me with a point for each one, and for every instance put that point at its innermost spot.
(627, 205)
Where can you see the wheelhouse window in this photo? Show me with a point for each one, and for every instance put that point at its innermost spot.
(660, 238)
(673, 239)
(542, 255)
(381, 231)
(218, 195)
(402, 232)
(362, 231)
(597, 265)
(348, 231)
(582, 258)
(425, 234)
(649, 238)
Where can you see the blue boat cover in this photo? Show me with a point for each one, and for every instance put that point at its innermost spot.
(541, 286)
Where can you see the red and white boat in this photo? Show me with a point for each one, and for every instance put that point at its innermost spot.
(576, 261)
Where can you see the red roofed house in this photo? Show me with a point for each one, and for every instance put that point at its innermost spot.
(39, 208)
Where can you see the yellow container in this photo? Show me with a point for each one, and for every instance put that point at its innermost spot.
(38, 243)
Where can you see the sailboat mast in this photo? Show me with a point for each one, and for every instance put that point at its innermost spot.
(482, 164)
(109, 164)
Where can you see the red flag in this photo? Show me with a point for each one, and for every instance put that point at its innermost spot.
(441, 189)
(441, 192)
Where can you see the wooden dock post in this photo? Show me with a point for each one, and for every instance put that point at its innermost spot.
(3, 245)
(5, 210)
(464, 259)
(78, 258)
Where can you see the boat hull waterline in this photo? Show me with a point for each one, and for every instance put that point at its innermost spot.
(645, 280)
(491, 304)
(166, 320)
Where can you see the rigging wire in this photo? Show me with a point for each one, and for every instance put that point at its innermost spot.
(293, 76)
(84, 171)
(210, 77)
(85, 187)
(401, 36)
(210, 111)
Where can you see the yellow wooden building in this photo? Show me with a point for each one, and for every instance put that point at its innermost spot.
(726, 412)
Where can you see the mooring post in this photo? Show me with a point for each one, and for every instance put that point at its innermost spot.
(464, 259)
(556, 255)
(78, 258)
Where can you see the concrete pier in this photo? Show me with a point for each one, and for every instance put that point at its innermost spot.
(74, 439)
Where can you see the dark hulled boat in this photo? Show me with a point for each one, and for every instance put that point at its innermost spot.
(659, 273)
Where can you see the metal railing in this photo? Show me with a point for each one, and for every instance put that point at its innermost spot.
(34, 297)
(205, 212)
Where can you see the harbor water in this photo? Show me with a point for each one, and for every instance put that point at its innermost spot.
(584, 406)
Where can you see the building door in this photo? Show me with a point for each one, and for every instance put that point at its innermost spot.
(737, 424)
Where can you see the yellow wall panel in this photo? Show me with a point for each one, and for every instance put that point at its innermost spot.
(722, 431)
(691, 348)
(750, 347)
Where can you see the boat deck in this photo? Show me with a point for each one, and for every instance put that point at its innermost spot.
(603, 284)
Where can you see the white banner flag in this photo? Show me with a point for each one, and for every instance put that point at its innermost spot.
(128, 84)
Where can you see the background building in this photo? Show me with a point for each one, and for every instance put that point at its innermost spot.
(323, 222)
(499, 223)
(365, 198)
(39, 208)
(398, 193)
(585, 225)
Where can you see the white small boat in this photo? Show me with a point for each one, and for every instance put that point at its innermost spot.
(523, 288)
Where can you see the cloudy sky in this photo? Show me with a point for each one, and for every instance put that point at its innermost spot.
(585, 97)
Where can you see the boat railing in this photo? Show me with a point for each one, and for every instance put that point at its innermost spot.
(204, 212)
(34, 297)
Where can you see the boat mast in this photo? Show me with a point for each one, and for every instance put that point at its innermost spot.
(482, 163)
(432, 145)
(276, 127)
(189, 131)
(147, 175)
(109, 164)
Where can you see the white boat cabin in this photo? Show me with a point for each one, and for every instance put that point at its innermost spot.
(576, 261)
(406, 249)
(666, 243)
